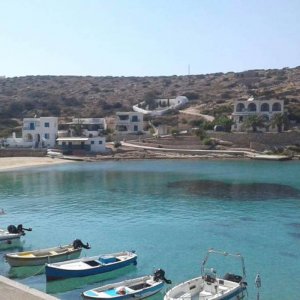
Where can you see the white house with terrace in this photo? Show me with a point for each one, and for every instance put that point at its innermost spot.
(243, 109)
(36, 133)
(87, 127)
(82, 135)
(129, 122)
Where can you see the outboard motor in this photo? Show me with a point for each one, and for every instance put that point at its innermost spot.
(18, 229)
(160, 275)
(79, 244)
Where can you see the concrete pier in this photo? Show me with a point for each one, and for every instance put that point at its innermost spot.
(12, 290)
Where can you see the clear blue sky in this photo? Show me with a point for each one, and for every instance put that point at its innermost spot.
(147, 37)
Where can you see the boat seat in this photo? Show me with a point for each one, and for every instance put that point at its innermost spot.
(205, 294)
(27, 255)
(223, 288)
(186, 296)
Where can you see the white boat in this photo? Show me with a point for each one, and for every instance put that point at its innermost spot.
(209, 286)
(87, 266)
(54, 153)
(138, 288)
(269, 157)
(12, 234)
(42, 256)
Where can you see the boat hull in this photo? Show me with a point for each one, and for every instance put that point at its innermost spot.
(56, 272)
(6, 237)
(142, 289)
(197, 289)
(26, 260)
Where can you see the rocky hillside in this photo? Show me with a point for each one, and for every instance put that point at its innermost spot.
(68, 96)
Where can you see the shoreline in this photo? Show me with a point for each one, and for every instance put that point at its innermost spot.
(14, 163)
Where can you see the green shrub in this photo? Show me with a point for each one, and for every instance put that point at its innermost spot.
(208, 142)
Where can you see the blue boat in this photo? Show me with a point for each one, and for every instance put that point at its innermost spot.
(138, 288)
(87, 266)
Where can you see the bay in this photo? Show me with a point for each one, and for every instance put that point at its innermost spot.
(170, 211)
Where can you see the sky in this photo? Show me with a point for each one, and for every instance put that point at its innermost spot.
(147, 37)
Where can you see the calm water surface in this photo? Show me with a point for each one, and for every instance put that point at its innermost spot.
(170, 212)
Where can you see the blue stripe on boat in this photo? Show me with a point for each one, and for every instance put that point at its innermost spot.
(90, 293)
(112, 292)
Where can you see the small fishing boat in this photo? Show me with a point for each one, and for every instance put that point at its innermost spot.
(139, 288)
(42, 256)
(269, 157)
(87, 266)
(12, 234)
(211, 287)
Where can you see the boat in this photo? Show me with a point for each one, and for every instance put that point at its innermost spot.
(69, 284)
(42, 256)
(12, 234)
(209, 286)
(139, 288)
(54, 153)
(87, 266)
(269, 157)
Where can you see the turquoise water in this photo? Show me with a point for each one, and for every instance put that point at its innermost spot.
(170, 212)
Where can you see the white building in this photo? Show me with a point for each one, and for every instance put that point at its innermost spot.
(129, 122)
(245, 108)
(40, 132)
(87, 127)
(80, 145)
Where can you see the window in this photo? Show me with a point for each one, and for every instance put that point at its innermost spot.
(123, 117)
(47, 124)
(100, 142)
(92, 142)
(276, 106)
(265, 107)
(240, 107)
(47, 136)
(31, 126)
(252, 107)
(134, 119)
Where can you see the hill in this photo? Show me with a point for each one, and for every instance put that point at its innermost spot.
(68, 96)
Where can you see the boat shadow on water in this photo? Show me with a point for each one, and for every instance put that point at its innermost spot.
(65, 285)
(9, 245)
(25, 272)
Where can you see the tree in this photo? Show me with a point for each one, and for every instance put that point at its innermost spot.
(280, 121)
(254, 122)
(224, 121)
(149, 99)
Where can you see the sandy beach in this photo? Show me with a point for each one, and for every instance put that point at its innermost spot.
(10, 163)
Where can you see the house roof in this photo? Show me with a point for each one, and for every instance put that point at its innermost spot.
(82, 139)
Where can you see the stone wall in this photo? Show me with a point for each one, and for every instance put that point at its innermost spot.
(259, 141)
(18, 152)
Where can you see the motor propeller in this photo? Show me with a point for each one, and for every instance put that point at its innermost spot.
(79, 244)
(17, 229)
(160, 275)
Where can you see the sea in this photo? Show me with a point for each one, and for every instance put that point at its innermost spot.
(171, 212)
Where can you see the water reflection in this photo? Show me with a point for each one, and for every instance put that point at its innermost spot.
(236, 191)
(16, 244)
(60, 286)
(25, 272)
